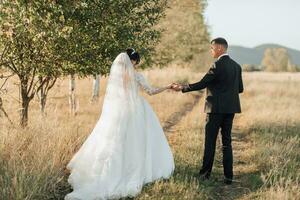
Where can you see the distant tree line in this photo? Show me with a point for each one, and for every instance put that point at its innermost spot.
(274, 60)
(185, 40)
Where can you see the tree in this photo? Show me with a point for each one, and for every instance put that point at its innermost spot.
(27, 37)
(185, 39)
(42, 40)
(276, 60)
(101, 29)
(291, 67)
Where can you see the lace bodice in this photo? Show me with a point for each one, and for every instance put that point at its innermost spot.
(142, 82)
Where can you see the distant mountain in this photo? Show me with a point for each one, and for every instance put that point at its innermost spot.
(244, 55)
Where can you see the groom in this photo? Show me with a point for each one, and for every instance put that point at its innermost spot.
(223, 83)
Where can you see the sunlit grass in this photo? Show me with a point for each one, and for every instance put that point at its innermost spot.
(265, 141)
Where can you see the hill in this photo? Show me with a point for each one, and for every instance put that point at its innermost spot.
(244, 55)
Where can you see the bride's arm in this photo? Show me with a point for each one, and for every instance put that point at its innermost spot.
(148, 88)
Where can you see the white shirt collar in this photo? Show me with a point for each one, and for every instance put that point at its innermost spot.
(224, 54)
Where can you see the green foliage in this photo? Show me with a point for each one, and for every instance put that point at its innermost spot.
(80, 37)
(27, 37)
(101, 29)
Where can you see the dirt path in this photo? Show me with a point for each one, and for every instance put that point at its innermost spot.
(176, 117)
(246, 175)
(173, 120)
(245, 172)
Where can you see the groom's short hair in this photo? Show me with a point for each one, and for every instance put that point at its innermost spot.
(220, 41)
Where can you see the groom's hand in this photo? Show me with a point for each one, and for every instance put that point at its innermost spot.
(177, 87)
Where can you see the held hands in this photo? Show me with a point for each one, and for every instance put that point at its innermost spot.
(176, 87)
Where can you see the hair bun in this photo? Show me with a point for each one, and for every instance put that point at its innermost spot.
(133, 55)
(130, 51)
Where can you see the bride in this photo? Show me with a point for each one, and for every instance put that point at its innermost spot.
(127, 147)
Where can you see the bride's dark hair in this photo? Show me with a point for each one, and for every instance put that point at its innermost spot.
(133, 55)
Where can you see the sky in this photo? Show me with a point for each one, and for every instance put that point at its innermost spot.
(253, 22)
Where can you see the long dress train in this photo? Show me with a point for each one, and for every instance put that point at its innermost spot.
(127, 148)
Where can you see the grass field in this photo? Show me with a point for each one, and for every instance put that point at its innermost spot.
(266, 140)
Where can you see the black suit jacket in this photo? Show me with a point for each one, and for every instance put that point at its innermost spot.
(223, 83)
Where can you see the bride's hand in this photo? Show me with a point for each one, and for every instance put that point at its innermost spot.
(176, 87)
(170, 86)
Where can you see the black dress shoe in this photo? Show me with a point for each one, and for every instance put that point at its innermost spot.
(228, 181)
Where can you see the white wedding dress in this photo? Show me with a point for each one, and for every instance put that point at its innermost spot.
(127, 147)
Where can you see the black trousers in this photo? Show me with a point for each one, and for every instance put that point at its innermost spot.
(215, 122)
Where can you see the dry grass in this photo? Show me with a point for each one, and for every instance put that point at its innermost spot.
(266, 141)
(272, 120)
(271, 98)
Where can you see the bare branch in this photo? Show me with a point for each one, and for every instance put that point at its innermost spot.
(50, 86)
(2, 109)
(7, 76)
(41, 85)
(13, 67)
(3, 83)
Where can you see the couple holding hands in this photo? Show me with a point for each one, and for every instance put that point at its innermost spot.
(128, 148)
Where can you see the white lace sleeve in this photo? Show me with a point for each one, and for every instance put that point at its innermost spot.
(146, 86)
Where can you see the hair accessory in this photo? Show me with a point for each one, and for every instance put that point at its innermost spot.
(133, 51)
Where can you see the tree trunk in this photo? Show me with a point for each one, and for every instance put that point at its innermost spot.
(72, 96)
(43, 99)
(24, 112)
(25, 104)
(96, 88)
(46, 83)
